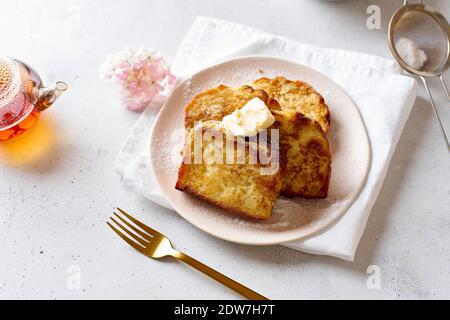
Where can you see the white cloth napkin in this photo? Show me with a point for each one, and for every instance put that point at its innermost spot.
(384, 98)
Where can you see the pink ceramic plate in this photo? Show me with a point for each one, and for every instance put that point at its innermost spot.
(291, 218)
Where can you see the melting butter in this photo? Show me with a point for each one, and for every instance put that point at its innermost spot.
(250, 119)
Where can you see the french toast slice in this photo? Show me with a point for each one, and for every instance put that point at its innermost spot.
(303, 143)
(214, 104)
(296, 96)
(239, 187)
(308, 157)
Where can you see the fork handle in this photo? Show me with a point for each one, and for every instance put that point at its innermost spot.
(223, 279)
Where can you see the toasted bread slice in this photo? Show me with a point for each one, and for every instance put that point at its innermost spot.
(239, 188)
(214, 104)
(308, 157)
(302, 140)
(296, 96)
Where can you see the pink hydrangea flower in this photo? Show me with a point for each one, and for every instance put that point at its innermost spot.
(140, 74)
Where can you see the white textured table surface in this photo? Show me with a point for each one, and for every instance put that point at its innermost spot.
(58, 186)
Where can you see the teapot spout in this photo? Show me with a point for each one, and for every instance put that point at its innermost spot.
(46, 96)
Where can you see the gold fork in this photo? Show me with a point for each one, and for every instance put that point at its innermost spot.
(155, 245)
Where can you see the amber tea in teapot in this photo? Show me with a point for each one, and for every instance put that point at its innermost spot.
(22, 97)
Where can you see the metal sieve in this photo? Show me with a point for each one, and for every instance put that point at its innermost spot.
(429, 29)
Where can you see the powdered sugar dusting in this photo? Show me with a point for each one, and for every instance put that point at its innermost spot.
(165, 158)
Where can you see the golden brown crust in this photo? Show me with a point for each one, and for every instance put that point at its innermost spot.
(187, 188)
(216, 103)
(239, 188)
(295, 95)
(308, 156)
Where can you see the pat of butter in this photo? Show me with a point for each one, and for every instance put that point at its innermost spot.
(250, 119)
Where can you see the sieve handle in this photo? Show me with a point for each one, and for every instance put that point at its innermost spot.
(445, 87)
(436, 114)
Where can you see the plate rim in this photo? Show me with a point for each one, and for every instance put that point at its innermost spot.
(328, 225)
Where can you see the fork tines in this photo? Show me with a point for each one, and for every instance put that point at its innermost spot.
(135, 233)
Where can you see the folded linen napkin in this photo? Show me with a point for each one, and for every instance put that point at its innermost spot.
(382, 94)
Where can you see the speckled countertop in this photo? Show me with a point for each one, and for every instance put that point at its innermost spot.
(58, 186)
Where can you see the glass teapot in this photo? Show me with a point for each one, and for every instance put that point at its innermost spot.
(22, 97)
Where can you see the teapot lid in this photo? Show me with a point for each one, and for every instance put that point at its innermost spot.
(9, 79)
